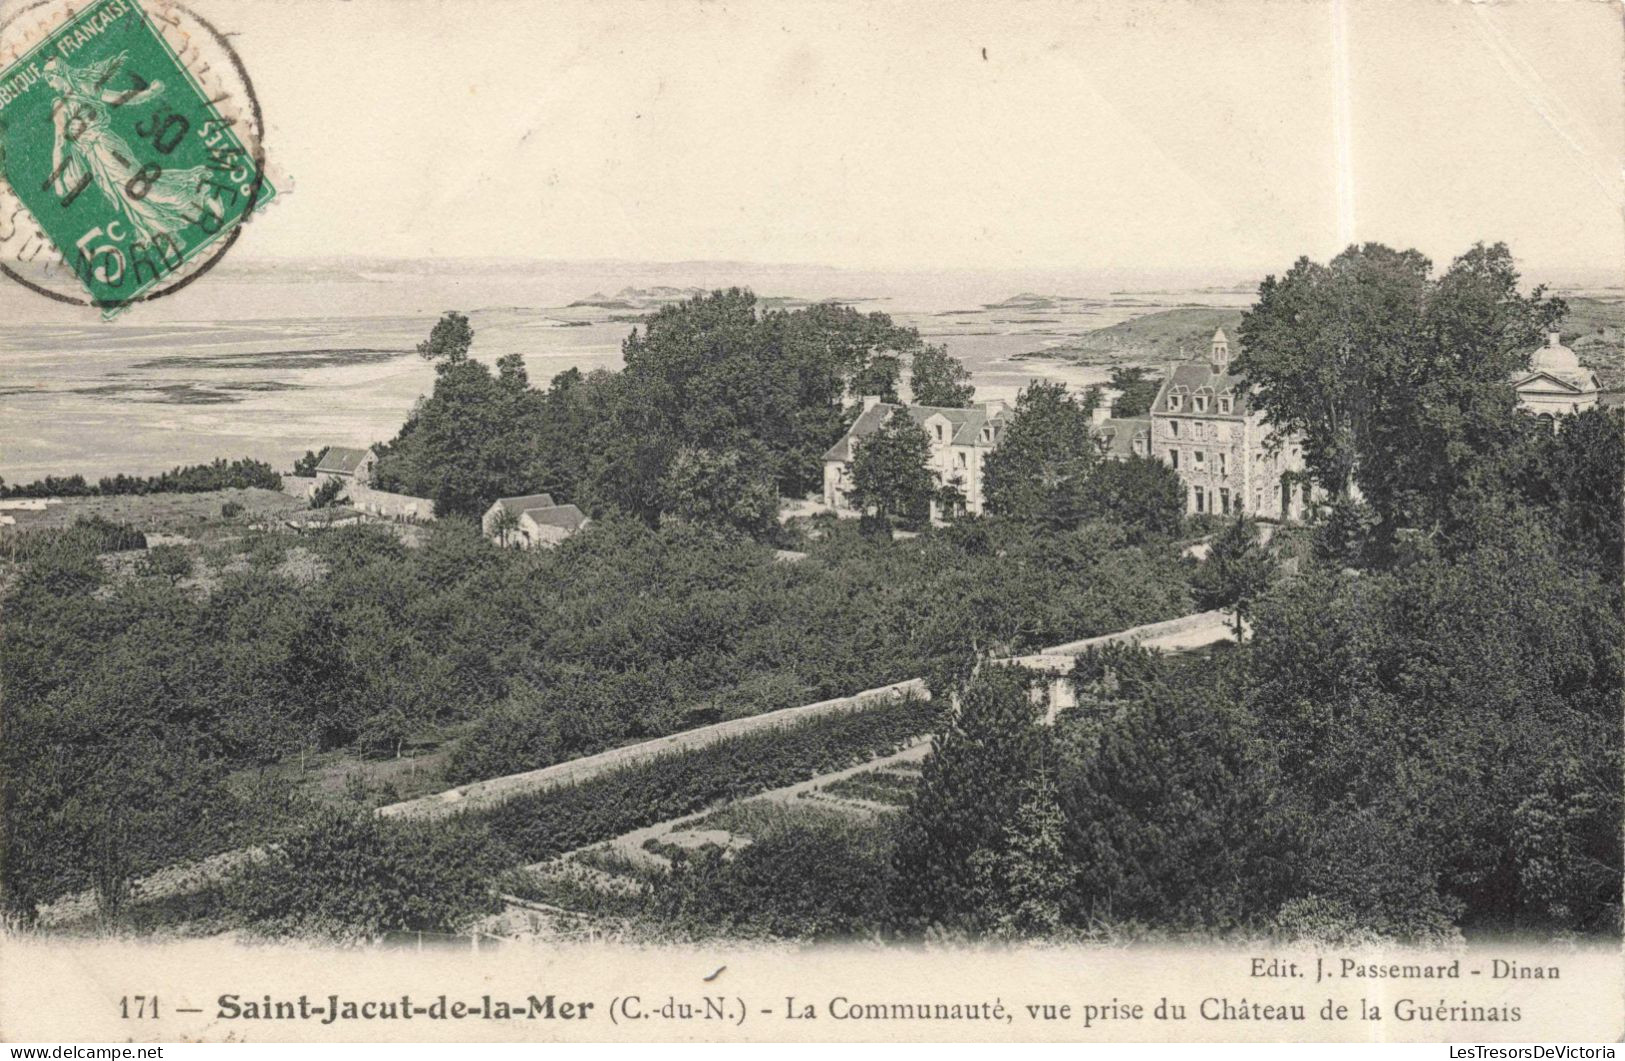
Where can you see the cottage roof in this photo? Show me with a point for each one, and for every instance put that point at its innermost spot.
(516, 505)
(568, 517)
(341, 460)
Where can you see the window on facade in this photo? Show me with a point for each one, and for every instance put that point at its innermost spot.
(1173, 459)
(961, 459)
(1173, 428)
(1198, 499)
(939, 432)
(1199, 458)
(1224, 501)
(1223, 462)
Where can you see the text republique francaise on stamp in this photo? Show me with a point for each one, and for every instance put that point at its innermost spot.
(130, 151)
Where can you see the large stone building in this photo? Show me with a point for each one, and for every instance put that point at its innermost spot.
(1556, 384)
(1204, 426)
(960, 440)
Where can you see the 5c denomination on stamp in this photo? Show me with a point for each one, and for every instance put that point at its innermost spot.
(130, 151)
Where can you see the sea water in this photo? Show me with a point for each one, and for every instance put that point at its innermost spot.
(269, 359)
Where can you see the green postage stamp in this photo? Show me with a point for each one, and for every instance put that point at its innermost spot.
(121, 157)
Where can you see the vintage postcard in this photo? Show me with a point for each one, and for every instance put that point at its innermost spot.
(672, 520)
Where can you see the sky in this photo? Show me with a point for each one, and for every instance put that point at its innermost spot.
(1213, 135)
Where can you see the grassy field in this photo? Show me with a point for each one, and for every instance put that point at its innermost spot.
(1594, 329)
(1156, 338)
(344, 777)
(189, 515)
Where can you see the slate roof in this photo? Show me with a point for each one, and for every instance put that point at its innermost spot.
(1194, 376)
(967, 424)
(568, 517)
(341, 460)
(1118, 434)
(516, 505)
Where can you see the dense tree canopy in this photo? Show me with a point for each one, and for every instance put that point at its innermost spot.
(726, 489)
(890, 476)
(1237, 570)
(449, 339)
(974, 785)
(474, 439)
(1138, 387)
(147, 711)
(1421, 735)
(937, 379)
(219, 474)
(1396, 381)
(1050, 443)
(708, 375)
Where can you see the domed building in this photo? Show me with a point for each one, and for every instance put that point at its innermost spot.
(1555, 384)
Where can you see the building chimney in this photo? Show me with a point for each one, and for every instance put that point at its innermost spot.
(1552, 338)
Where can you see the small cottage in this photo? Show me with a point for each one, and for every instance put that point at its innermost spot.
(530, 521)
(346, 464)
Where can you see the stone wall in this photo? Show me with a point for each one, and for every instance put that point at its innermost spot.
(379, 503)
(496, 790)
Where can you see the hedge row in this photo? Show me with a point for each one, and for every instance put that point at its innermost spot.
(90, 533)
(542, 825)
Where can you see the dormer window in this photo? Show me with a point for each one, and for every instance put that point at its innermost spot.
(1201, 403)
(1227, 402)
(1175, 401)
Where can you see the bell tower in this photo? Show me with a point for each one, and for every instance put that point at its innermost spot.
(1219, 353)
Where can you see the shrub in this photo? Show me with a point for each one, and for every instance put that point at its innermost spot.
(545, 824)
(347, 874)
(818, 878)
(328, 493)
